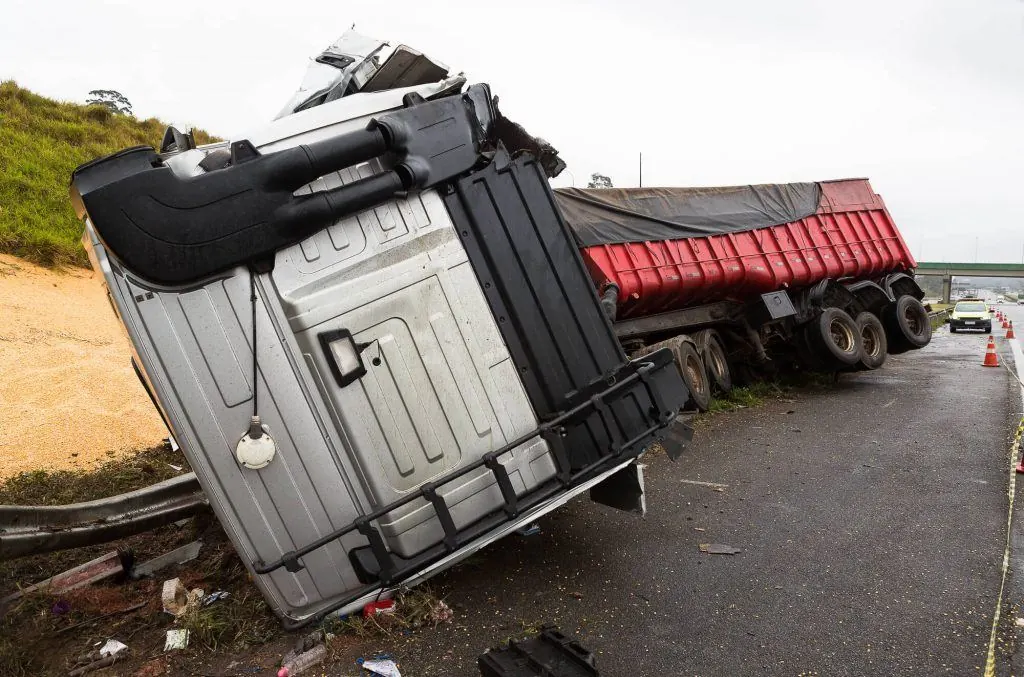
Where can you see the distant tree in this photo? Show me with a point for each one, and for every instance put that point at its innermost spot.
(115, 101)
(599, 181)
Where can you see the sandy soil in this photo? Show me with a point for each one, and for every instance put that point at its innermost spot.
(68, 395)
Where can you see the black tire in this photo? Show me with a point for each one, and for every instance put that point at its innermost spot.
(952, 329)
(873, 343)
(834, 338)
(712, 351)
(695, 375)
(906, 325)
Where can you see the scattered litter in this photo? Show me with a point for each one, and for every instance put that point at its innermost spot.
(185, 553)
(889, 404)
(112, 648)
(177, 600)
(175, 467)
(1020, 622)
(700, 529)
(531, 530)
(791, 411)
(441, 613)
(713, 485)
(576, 595)
(718, 489)
(718, 549)
(384, 606)
(385, 668)
(61, 607)
(215, 596)
(176, 639)
(303, 662)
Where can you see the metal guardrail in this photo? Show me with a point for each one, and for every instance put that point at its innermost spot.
(33, 529)
(939, 318)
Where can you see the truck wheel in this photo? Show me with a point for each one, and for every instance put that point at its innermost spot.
(907, 325)
(952, 329)
(835, 338)
(712, 351)
(873, 344)
(695, 375)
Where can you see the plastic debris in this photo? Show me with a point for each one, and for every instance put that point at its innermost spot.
(303, 661)
(531, 530)
(177, 600)
(176, 639)
(215, 596)
(718, 549)
(384, 606)
(112, 648)
(185, 553)
(441, 613)
(384, 668)
(61, 607)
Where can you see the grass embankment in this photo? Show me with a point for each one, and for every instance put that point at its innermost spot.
(41, 142)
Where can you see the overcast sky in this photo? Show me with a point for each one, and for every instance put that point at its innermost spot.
(924, 97)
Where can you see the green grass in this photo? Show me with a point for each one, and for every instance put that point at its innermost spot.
(57, 487)
(759, 392)
(41, 142)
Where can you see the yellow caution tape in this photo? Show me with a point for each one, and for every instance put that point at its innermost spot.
(990, 661)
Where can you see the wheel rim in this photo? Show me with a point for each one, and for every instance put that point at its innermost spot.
(842, 337)
(869, 337)
(695, 373)
(913, 319)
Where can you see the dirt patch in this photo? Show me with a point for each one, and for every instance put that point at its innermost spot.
(68, 397)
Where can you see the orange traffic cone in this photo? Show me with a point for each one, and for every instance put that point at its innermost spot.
(990, 354)
(1009, 332)
(1006, 325)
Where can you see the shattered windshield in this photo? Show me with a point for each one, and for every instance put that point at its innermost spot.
(356, 63)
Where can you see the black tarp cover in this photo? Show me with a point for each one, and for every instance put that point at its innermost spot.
(616, 215)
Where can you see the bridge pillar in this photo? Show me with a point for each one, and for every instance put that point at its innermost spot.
(947, 288)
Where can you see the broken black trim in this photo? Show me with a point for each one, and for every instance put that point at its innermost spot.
(175, 230)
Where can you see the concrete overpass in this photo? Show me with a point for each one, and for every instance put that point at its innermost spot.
(950, 270)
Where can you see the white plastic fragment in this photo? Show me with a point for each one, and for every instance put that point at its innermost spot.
(176, 639)
(385, 668)
(112, 648)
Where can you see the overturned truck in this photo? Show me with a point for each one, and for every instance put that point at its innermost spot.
(370, 330)
(383, 341)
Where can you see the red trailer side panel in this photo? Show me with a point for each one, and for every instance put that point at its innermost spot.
(850, 236)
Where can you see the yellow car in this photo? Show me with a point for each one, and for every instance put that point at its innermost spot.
(970, 315)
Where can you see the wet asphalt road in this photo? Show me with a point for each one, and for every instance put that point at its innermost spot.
(871, 518)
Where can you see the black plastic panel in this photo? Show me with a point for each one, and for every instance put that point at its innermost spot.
(547, 308)
(174, 230)
(549, 654)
